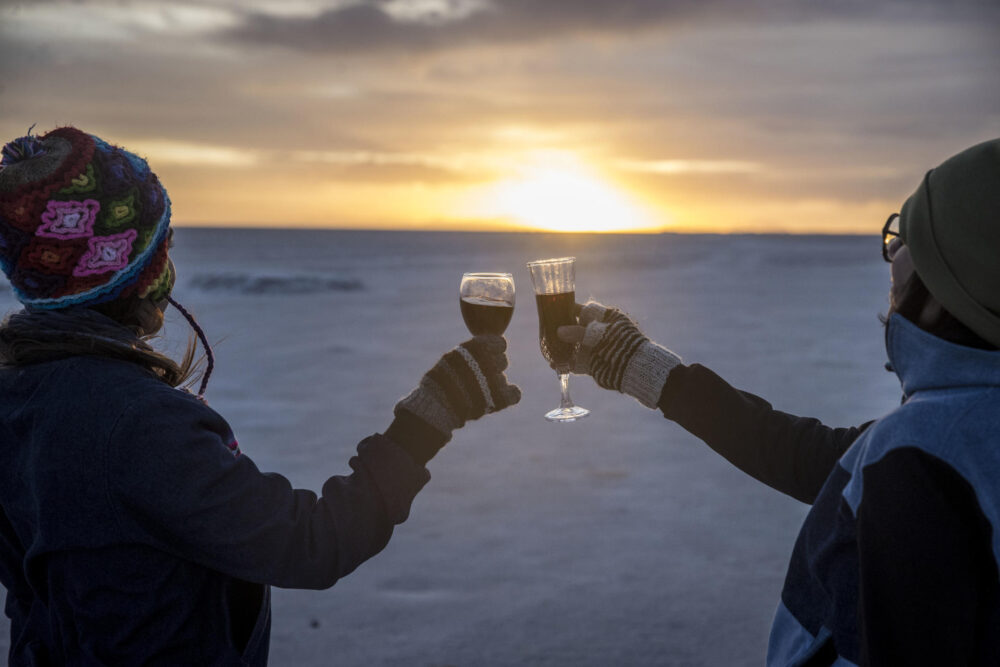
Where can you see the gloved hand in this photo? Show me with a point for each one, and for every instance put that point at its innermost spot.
(617, 355)
(465, 384)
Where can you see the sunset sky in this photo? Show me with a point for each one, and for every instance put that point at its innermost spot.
(603, 115)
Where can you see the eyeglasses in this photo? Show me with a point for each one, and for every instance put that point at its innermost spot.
(890, 234)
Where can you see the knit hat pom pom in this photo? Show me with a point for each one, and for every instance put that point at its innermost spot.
(21, 149)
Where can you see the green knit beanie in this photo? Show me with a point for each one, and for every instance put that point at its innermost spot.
(951, 226)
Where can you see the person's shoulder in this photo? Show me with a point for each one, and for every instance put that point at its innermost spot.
(111, 375)
(116, 382)
(960, 428)
(948, 415)
(80, 384)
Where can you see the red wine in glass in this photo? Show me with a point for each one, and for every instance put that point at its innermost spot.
(487, 302)
(483, 315)
(554, 311)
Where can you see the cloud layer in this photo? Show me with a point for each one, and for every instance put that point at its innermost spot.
(379, 25)
(722, 113)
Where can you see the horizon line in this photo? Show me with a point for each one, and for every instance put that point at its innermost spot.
(526, 230)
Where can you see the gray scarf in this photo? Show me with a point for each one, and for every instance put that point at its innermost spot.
(35, 336)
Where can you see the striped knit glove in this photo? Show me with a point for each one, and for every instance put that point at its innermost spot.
(465, 384)
(617, 355)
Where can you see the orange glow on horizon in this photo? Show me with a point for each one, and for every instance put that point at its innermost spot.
(528, 190)
(558, 192)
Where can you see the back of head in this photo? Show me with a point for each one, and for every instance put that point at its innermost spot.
(951, 226)
(82, 222)
(84, 239)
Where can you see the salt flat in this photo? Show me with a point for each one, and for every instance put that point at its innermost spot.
(619, 540)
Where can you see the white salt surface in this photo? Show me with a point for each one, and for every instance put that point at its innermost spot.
(618, 540)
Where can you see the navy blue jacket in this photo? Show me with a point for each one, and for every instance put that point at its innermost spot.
(133, 531)
(897, 562)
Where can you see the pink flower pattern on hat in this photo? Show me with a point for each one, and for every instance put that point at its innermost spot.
(69, 219)
(106, 253)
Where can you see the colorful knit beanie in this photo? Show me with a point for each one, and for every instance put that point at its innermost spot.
(82, 222)
(951, 225)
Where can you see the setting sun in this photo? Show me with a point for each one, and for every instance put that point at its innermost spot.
(560, 193)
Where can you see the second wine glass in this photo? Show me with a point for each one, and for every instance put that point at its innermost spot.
(554, 281)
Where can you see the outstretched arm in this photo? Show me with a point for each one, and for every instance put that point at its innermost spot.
(177, 482)
(791, 454)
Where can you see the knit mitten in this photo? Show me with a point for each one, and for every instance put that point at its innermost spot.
(619, 356)
(465, 384)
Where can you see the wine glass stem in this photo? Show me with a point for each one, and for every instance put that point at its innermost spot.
(565, 401)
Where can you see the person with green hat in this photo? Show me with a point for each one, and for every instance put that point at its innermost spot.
(897, 561)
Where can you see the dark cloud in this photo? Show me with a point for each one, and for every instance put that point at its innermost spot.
(367, 27)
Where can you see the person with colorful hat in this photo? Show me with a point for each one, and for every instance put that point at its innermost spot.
(133, 530)
(897, 562)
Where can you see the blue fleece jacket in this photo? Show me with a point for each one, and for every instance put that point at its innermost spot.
(133, 531)
(897, 561)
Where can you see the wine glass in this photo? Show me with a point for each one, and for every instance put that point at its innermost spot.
(555, 295)
(487, 302)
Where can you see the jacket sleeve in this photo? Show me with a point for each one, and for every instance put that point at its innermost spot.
(178, 482)
(926, 565)
(792, 454)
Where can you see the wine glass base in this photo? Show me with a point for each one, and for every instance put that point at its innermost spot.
(567, 415)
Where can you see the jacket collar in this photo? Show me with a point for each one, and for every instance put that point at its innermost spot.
(924, 361)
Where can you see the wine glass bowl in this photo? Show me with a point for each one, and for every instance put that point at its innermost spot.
(554, 282)
(487, 302)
